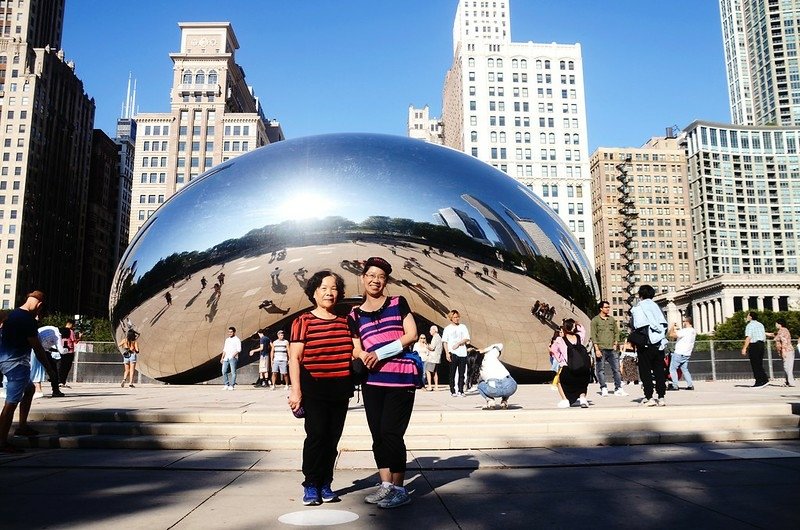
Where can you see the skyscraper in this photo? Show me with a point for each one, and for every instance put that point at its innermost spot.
(46, 122)
(520, 107)
(421, 126)
(759, 40)
(214, 115)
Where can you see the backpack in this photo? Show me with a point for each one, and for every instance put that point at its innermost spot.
(577, 356)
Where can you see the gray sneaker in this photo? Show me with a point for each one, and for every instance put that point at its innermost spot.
(398, 497)
(381, 493)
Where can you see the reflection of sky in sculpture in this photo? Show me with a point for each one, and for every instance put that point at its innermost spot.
(357, 186)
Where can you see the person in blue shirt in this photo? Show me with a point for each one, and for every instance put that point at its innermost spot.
(754, 340)
(20, 335)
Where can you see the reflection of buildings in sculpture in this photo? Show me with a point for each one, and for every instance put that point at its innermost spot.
(460, 220)
(502, 229)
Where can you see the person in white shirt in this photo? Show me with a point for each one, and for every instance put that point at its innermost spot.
(455, 339)
(230, 356)
(485, 370)
(683, 351)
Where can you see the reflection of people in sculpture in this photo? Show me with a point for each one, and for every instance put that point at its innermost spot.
(275, 276)
(203, 282)
(168, 298)
(384, 328)
(221, 278)
(320, 354)
(458, 272)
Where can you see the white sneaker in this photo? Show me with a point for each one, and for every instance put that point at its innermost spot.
(226, 387)
(620, 392)
(604, 391)
(661, 402)
(563, 404)
(584, 404)
(38, 395)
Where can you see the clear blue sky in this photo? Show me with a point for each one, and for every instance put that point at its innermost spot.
(324, 66)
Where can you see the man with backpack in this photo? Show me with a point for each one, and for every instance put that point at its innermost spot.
(648, 322)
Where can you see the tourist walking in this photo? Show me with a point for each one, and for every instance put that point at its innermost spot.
(20, 334)
(649, 321)
(684, 346)
(604, 332)
(492, 378)
(229, 358)
(130, 353)
(754, 340)
(783, 345)
(384, 328)
(320, 355)
(573, 359)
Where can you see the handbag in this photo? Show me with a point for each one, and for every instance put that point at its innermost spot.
(360, 372)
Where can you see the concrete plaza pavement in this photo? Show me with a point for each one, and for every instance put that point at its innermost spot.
(698, 485)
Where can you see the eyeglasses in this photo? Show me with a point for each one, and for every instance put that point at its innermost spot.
(376, 277)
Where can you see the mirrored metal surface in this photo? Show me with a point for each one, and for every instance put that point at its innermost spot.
(234, 248)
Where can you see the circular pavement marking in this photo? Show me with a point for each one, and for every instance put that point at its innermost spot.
(318, 517)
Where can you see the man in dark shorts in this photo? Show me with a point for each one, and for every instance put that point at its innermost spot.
(20, 335)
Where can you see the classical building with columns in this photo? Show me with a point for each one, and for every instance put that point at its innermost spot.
(713, 301)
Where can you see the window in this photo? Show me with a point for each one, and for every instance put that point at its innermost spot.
(200, 78)
(212, 77)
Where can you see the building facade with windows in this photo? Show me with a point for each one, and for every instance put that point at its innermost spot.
(663, 255)
(521, 108)
(763, 70)
(46, 123)
(421, 126)
(214, 115)
(744, 184)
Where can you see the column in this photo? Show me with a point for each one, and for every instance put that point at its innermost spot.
(760, 303)
(727, 307)
(703, 317)
(745, 303)
(718, 318)
(696, 315)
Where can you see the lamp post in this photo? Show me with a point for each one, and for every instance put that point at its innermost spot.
(629, 215)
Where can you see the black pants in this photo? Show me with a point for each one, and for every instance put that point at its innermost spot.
(651, 366)
(755, 350)
(460, 364)
(388, 411)
(324, 423)
(64, 365)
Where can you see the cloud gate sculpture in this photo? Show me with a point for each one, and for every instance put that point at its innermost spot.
(235, 246)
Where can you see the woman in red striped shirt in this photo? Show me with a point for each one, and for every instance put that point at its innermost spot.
(320, 355)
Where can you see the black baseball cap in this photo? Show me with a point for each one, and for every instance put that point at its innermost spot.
(377, 262)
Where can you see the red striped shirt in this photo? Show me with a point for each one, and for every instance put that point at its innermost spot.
(328, 345)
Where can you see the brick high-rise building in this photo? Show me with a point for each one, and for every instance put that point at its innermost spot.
(662, 233)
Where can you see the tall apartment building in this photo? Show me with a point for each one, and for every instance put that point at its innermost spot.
(663, 254)
(759, 39)
(46, 122)
(745, 205)
(421, 126)
(521, 108)
(214, 115)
